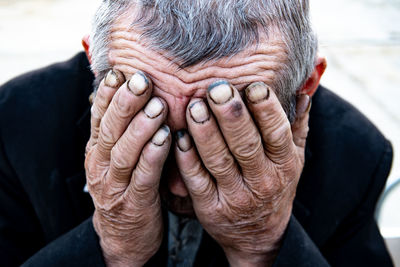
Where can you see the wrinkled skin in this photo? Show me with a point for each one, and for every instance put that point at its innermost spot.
(255, 165)
(123, 167)
(241, 173)
(236, 171)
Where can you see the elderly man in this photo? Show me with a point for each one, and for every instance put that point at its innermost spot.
(231, 80)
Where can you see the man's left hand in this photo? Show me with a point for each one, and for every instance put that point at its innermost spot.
(243, 171)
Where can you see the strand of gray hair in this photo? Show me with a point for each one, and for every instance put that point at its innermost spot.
(194, 31)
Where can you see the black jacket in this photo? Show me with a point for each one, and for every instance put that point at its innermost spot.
(45, 215)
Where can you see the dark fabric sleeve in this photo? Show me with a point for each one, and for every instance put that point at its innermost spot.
(298, 249)
(20, 231)
(357, 241)
(78, 247)
(21, 235)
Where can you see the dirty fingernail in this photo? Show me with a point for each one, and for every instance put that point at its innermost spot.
(154, 108)
(183, 141)
(199, 112)
(161, 136)
(138, 83)
(220, 92)
(257, 92)
(303, 104)
(113, 79)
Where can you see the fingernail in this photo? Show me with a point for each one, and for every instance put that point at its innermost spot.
(138, 83)
(303, 104)
(183, 141)
(112, 79)
(220, 92)
(161, 136)
(199, 112)
(257, 92)
(154, 108)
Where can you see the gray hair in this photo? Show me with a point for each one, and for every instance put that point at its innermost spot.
(194, 31)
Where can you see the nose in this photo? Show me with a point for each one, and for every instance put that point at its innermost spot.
(176, 118)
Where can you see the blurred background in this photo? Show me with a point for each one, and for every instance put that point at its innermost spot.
(360, 38)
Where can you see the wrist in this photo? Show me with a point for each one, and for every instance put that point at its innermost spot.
(118, 252)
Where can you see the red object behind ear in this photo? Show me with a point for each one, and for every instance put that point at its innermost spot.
(311, 85)
(86, 46)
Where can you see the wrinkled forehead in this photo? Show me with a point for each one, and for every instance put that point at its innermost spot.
(129, 52)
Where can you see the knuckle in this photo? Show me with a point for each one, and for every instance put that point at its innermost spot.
(143, 204)
(146, 161)
(88, 147)
(202, 189)
(107, 135)
(243, 202)
(142, 185)
(221, 164)
(87, 158)
(90, 164)
(248, 150)
(95, 114)
(153, 158)
(143, 169)
(272, 188)
(194, 171)
(103, 97)
(143, 178)
(110, 207)
(124, 106)
(137, 134)
(119, 161)
(144, 190)
(113, 190)
(279, 135)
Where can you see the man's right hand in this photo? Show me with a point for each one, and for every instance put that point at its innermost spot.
(124, 160)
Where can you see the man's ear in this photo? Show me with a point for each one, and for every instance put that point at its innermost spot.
(311, 85)
(86, 46)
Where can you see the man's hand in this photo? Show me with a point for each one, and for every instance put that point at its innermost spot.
(244, 175)
(125, 155)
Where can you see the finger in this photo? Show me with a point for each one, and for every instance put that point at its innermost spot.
(272, 122)
(106, 91)
(201, 188)
(238, 129)
(300, 125)
(143, 188)
(211, 146)
(127, 102)
(126, 152)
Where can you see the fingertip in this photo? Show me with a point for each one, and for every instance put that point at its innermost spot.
(184, 151)
(183, 141)
(156, 107)
(114, 79)
(162, 137)
(140, 84)
(220, 92)
(197, 111)
(303, 104)
(263, 101)
(156, 151)
(257, 92)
